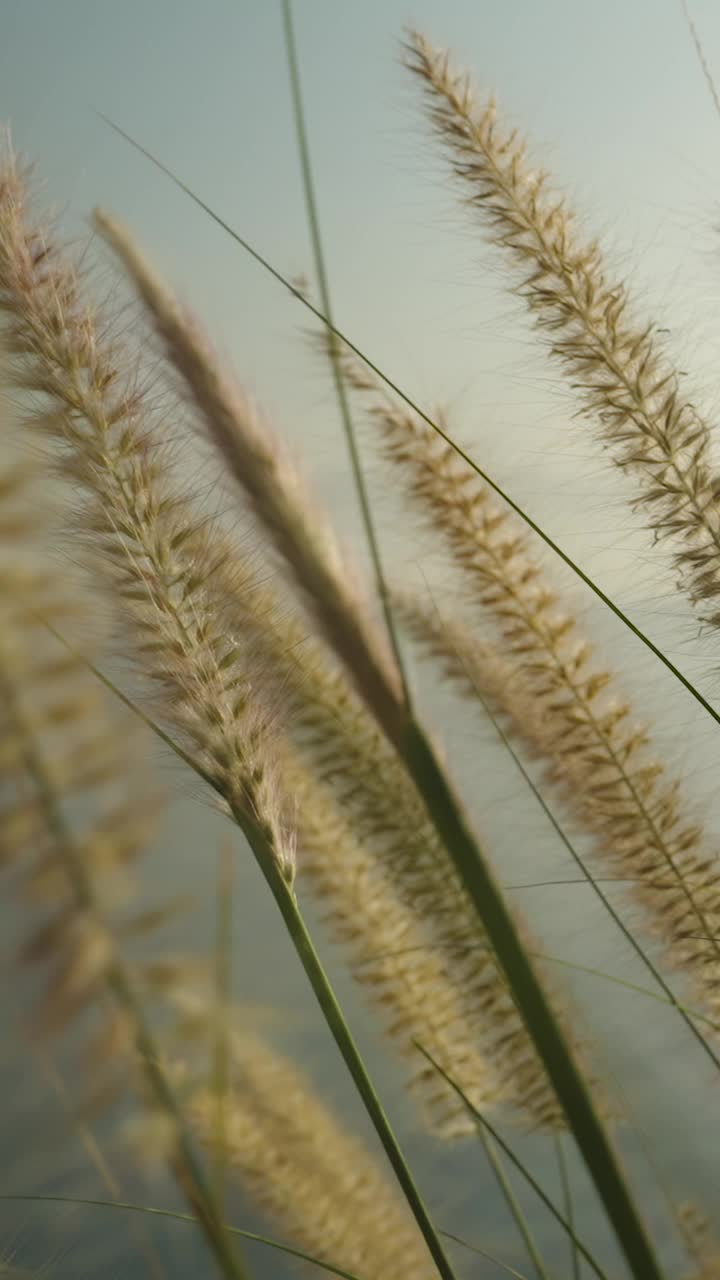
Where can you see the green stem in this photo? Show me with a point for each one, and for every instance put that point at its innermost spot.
(118, 982)
(629, 986)
(526, 1174)
(320, 983)
(333, 352)
(568, 1201)
(186, 1217)
(513, 1204)
(602, 1161)
(473, 1248)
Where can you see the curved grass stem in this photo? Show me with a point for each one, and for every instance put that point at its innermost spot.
(531, 1181)
(184, 1217)
(590, 1135)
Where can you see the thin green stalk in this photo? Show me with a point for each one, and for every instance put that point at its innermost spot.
(564, 1072)
(333, 353)
(343, 1038)
(570, 964)
(504, 1266)
(513, 1205)
(543, 884)
(704, 65)
(629, 986)
(492, 484)
(526, 1174)
(186, 1217)
(568, 1200)
(187, 1168)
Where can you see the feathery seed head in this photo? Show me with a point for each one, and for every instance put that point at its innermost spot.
(315, 1180)
(256, 461)
(616, 364)
(163, 557)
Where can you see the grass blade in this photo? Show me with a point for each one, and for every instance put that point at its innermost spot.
(335, 1019)
(567, 1197)
(504, 1266)
(184, 1217)
(520, 1168)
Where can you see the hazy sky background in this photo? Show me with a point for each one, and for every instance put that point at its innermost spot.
(615, 103)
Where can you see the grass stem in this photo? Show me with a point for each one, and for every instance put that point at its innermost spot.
(513, 1205)
(312, 965)
(335, 362)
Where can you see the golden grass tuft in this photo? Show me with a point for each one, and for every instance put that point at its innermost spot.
(342, 1209)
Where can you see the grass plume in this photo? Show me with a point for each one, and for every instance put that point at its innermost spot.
(625, 381)
(342, 1210)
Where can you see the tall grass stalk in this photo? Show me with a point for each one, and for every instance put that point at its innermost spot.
(275, 496)
(333, 354)
(569, 1206)
(338, 1026)
(514, 1206)
(484, 1123)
